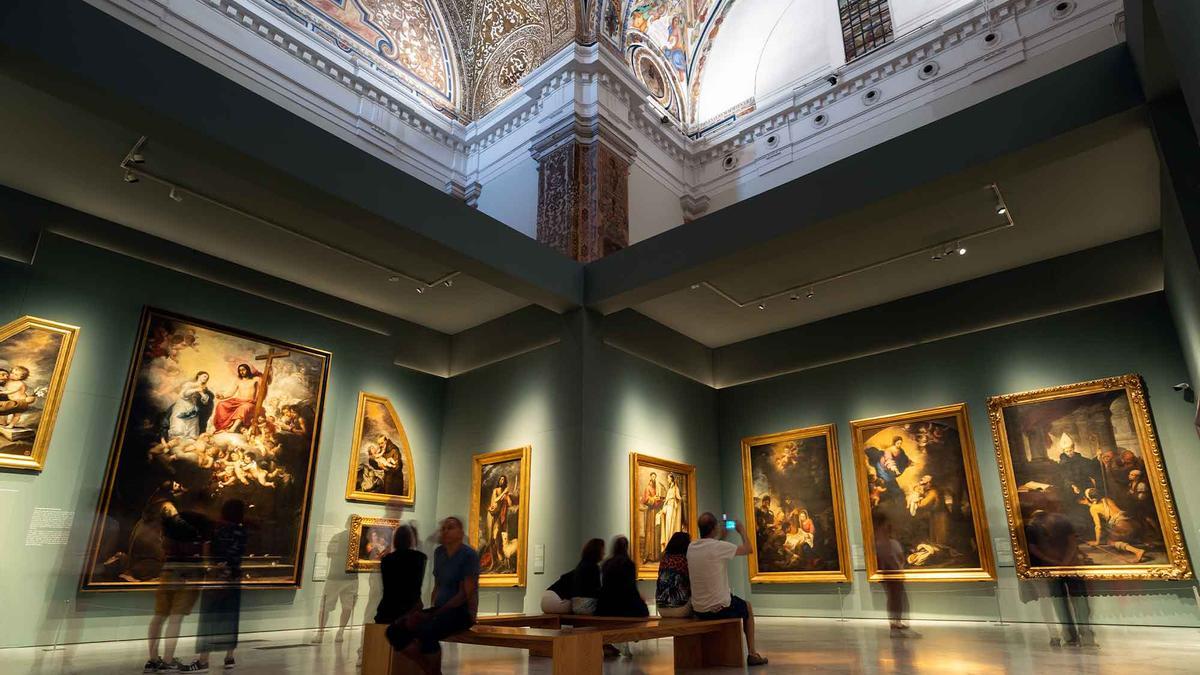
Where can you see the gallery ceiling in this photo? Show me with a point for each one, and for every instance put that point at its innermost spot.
(1093, 186)
(70, 156)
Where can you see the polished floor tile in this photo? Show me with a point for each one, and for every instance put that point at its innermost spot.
(793, 645)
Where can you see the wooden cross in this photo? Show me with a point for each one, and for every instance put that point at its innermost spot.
(269, 357)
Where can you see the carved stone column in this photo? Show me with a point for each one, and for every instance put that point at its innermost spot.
(583, 189)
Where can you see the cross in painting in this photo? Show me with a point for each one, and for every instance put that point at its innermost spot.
(269, 358)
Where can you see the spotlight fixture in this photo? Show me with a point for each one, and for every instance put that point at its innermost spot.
(794, 297)
(130, 177)
(812, 293)
(832, 80)
(1001, 209)
(448, 283)
(420, 290)
(695, 287)
(174, 195)
(761, 306)
(961, 250)
(394, 278)
(137, 158)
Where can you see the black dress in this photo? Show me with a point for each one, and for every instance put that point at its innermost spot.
(618, 590)
(403, 572)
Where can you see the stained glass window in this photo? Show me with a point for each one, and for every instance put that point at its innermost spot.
(866, 24)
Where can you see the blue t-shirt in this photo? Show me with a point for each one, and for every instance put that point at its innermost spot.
(449, 571)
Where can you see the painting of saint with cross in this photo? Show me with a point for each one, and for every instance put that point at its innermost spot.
(214, 421)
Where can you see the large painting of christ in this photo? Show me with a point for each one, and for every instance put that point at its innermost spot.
(381, 465)
(35, 356)
(662, 501)
(498, 524)
(920, 497)
(1085, 485)
(794, 515)
(211, 416)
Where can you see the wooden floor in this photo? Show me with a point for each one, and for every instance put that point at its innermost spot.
(793, 645)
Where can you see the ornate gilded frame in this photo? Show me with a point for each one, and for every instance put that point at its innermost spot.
(36, 460)
(1178, 566)
(478, 462)
(650, 570)
(357, 523)
(986, 571)
(354, 495)
(845, 571)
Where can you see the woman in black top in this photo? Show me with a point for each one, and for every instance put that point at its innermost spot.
(619, 594)
(585, 579)
(403, 572)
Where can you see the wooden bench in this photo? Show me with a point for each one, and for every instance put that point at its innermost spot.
(575, 642)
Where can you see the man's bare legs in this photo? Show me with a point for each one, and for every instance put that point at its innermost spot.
(748, 628)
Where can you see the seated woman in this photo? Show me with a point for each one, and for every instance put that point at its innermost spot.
(403, 571)
(673, 594)
(575, 592)
(618, 584)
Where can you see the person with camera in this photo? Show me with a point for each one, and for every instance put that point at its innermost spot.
(708, 567)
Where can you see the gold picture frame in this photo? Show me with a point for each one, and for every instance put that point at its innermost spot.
(360, 487)
(926, 432)
(507, 567)
(1162, 522)
(362, 553)
(14, 434)
(834, 512)
(648, 568)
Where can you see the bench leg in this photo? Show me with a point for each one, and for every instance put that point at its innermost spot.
(378, 657)
(578, 654)
(719, 648)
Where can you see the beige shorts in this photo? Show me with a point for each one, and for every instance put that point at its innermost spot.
(175, 599)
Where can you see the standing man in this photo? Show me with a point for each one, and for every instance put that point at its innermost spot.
(708, 566)
(455, 601)
(652, 501)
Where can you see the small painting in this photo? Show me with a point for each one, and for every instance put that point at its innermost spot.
(793, 489)
(499, 518)
(212, 416)
(370, 540)
(662, 501)
(35, 356)
(381, 468)
(1085, 485)
(920, 497)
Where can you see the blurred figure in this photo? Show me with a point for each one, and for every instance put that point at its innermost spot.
(403, 572)
(1053, 542)
(341, 589)
(889, 557)
(182, 544)
(619, 594)
(673, 593)
(220, 607)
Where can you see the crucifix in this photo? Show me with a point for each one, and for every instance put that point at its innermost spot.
(269, 358)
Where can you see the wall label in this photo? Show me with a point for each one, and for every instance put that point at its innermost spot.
(49, 527)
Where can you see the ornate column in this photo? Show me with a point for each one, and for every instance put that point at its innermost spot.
(583, 188)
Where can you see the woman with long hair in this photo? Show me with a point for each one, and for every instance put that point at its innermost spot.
(673, 593)
(403, 571)
(618, 584)
(576, 591)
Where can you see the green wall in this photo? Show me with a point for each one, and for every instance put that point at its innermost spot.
(103, 293)
(1135, 335)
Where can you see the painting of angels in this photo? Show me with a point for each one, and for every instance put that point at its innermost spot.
(1086, 490)
(793, 489)
(662, 502)
(35, 356)
(499, 517)
(210, 416)
(919, 492)
(381, 467)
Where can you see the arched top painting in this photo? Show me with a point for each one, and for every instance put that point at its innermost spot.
(35, 355)
(381, 466)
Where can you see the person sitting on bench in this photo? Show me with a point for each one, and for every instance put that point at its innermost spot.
(708, 567)
(673, 594)
(455, 601)
(576, 591)
(403, 571)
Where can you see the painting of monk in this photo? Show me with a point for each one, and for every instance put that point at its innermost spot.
(499, 519)
(662, 502)
(918, 480)
(1087, 491)
(794, 514)
(211, 415)
(381, 467)
(35, 356)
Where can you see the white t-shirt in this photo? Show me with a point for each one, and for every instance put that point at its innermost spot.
(708, 570)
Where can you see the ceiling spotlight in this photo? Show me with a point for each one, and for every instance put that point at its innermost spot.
(761, 306)
(394, 278)
(960, 249)
(812, 293)
(174, 195)
(832, 80)
(137, 158)
(130, 177)
(695, 287)
(794, 297)
(420, 290)
(1001, 209)
(449, 283)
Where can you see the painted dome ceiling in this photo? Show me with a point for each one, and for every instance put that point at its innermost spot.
(463, 56)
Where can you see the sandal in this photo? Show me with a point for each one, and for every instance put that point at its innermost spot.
(756, 659)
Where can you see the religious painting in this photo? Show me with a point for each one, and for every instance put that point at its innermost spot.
(792, 485)
(381, 467)
(920, 497)
(498, 524)
(370, 540)
(213, 420)
(1085, 484)
(35, 356)
(662, 501)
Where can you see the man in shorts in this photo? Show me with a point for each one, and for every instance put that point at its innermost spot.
(455, 601)
(708, 567)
